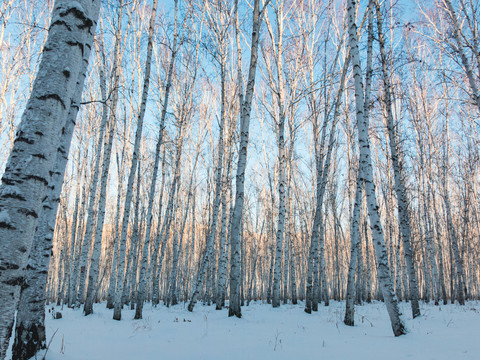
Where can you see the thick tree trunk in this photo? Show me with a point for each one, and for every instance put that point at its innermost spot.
(30, 322)
(26, 177)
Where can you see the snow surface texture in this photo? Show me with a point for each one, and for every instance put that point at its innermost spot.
(442, 332)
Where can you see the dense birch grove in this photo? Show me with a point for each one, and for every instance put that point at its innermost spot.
(225, 151)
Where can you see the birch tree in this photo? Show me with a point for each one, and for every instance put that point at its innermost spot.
(245, 101)
(117, 314)
(402, 201)
(367, 172)
(26, 177)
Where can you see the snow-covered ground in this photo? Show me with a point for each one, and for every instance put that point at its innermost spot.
(442, 332)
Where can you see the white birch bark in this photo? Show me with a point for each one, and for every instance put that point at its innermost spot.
(246, 107)
(114, 245)
(169, 213)
(367, 172)
(78, 246)
(117, 313)
(73, 236)
(354, 238)
(30, 321)
(322, 174)
(136, 233)
(26, 177)
(91, 213)
(218, 187)
(280, 116)
(402, 201)
(143, 270)
(223, 249)
(105, 166)
(172, 299)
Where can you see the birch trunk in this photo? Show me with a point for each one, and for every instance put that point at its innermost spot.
(136, 233)
(114, 246)
(117, 313)
(26, 177)
(367, 172)
(218, 186)
(223, 250)
(322, 172)
(73, 233)
(169, 216)
(91, 213)
(400, 190)
(172, 287)
(151, 196)
(246, 107)
(354, 232)
(30, 321)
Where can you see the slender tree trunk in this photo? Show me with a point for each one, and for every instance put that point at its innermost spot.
(367, 172)
(73, 233)
(117, 313)
(354, 232)
(151, 196)
(91, 213)
(402, 201)
(246, 107)
(218, 187)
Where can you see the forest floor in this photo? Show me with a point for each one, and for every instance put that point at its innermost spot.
(442, 332)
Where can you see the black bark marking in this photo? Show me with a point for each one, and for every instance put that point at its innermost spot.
(54, 97)
(59, 23)
(40, 156)
(76, 43)
(28, 340)
(37, 178)
(15, 281)
(28, 212)
(5, 225)
(9, 266)
(87, 23)
(25, 140)
(66, 73)
(13, 196)
(7, 181)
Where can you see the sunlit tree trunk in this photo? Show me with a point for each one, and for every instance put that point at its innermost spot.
(402, 201)
(117, 313)
(246, 107)
(26, 177)
(367, 172)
